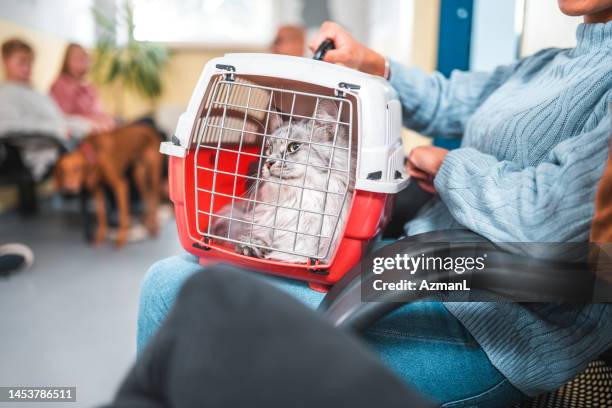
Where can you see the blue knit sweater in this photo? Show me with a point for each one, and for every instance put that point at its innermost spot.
(535, 137)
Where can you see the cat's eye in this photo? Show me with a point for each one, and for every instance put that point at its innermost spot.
(293, 147)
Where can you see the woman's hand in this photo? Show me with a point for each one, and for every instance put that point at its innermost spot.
(348, 51)
(423, 165)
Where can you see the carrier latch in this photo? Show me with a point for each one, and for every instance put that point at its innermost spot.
(342, 86)
(205, 246)
(313, 262)
(230, 68)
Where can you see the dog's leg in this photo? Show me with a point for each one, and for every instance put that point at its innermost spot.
(113, 177)
(100, 204)
(120, 189)
(140, 179)
(154, 159)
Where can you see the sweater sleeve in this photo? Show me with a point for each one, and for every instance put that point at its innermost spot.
(437, 106)
(553, 201)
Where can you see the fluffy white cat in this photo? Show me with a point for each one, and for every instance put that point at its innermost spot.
(266, 229)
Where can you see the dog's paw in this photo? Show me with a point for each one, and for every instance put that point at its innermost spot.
(122, 238)
(100, 237)
(152, 226)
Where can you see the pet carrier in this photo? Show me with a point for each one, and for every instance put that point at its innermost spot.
(285, 165)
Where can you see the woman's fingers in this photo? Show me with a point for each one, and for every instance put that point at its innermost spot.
(328, 30)
(427, 186)
(427, 159)
(423, 180)
(414, 170)
(341, 56)
(416, 173)
(423, 164)
(347, 50)
(419, 159)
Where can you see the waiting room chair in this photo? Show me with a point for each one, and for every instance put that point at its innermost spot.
(14, 170)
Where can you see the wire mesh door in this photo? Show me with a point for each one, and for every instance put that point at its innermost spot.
(273, 170)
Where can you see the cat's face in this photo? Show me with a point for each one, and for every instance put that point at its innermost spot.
(291, 142)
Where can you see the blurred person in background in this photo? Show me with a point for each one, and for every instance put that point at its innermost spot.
(289, 40)
(33, 131)
(24, 110)
(75, 95)
(78, 98)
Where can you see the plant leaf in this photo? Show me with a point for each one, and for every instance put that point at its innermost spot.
(137, 65)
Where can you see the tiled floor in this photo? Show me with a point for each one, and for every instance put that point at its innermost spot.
(70, 320)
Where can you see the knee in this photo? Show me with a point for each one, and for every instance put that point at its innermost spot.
(162, 282)
(217, 279)
(158, 292)
(157, 276)
(234, 289)
(152, 289)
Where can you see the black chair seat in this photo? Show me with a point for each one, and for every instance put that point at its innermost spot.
(591, 388)
(574, 282)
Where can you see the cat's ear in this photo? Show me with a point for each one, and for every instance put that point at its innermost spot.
(275, 121)
(327, 110)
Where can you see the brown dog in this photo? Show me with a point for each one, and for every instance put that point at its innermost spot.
(103, 159)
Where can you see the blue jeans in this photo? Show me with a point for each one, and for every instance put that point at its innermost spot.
(421, 342)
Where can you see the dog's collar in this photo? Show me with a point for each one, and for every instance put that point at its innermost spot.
(88, 151)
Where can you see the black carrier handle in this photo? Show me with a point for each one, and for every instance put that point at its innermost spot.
(323, 48)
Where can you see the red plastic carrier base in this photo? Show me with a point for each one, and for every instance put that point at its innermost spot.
(367, 215)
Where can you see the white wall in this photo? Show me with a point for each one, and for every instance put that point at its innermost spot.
(545, 26)
(391, 24)
(69, 20)
(385, 26)
(503, 27)
(496, 29)
(288, 12)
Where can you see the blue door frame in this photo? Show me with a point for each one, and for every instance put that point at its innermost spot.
(455, 37)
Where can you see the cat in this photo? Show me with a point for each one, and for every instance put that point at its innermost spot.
(264, 229)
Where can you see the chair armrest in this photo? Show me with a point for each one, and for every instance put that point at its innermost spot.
(22, 139)
(506, 274)
(406, 205)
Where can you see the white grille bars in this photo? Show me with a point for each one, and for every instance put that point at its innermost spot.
(236, 198)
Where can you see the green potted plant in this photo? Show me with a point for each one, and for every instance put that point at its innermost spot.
(128, 65)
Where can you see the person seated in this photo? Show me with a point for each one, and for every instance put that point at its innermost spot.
(33, 130)
(79, 100)
(289, 40)
(535, 140)
(289, 346)
(74, 95)
(23, 110)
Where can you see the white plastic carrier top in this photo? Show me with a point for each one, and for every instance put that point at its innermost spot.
(380, 156)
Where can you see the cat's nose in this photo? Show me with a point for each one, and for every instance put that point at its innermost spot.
(270, 163)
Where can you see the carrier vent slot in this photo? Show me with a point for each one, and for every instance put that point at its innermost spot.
(375, 175)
